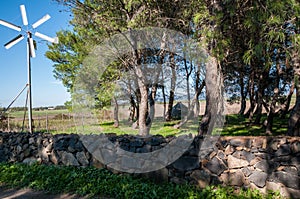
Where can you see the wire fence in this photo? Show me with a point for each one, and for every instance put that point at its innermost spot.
(52, 121)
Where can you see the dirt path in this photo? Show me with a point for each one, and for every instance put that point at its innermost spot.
(9, 193)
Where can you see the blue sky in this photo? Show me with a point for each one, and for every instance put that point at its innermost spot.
(46, 90)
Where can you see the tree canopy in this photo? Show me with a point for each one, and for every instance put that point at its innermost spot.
(255, 43)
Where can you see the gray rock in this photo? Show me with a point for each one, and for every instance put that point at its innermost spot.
(30, 161)
(192, 152)
(244, 155)
(236, 178)
(283, 150)
(221, 154)
(240, 142)
(215, 180)
(44, 155)
(236, 162)
(258, 178)
(82, 159)
(19, 149)
(97, 164)
(257, 142)
(137, 143)
(142, 150)
(229, 150)
(295, 161)
(293, 193)
(247, 172)
(284, 160)
(31, 141)
(49, 147)
(262, 165)
(54, 157)
(26, 152)
(295, 147)
(60, 145)
(201, 177)
(289, 180)
(263, 155)
(291, 169)
(216, 166)
(186, 163)
(71, 149)
(68, 159)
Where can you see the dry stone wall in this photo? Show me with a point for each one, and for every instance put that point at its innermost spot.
(263, 163)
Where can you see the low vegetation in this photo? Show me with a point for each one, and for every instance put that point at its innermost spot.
(62, 121)
(95, 182)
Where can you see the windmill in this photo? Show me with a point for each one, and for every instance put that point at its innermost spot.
(30, 48)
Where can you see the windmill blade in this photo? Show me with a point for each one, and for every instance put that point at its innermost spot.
(14, 41)
(56, 40)
(45, 37)
(10, 25)
(31, 47)
(24, 15)
(41, 21)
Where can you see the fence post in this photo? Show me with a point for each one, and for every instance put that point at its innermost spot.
(47, 122)
(62, 119)
(8, 125)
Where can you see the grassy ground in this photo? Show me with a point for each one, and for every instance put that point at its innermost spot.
(97, 183)
(239, 125)
(62, 121)
(235, 125)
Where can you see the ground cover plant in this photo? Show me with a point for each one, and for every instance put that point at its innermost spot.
(95, 182)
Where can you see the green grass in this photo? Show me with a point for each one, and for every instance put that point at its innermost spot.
(158, 127)
(237, 125)
(94, 182)
(43, 113)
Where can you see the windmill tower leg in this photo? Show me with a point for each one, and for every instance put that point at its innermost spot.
(29, 86)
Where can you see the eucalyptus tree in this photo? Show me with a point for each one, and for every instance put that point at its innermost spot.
(94, 21)
(252, 42)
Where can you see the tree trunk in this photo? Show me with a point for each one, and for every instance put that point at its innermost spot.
(172, 90)
(272, 110)
(152, 95)
(197, 104)
(188, 72)
(271, 113)
(143, 110)
(165, 101)
(294, 120)
(132, 109)
(286, 106)
(116, 113)
(250, 111)
(243, 95)
(213, 116)
(258, 111)
(203, 128)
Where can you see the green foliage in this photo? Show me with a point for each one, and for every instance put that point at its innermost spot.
(100, 182)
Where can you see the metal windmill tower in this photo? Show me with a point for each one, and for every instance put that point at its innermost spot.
(30, 48)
